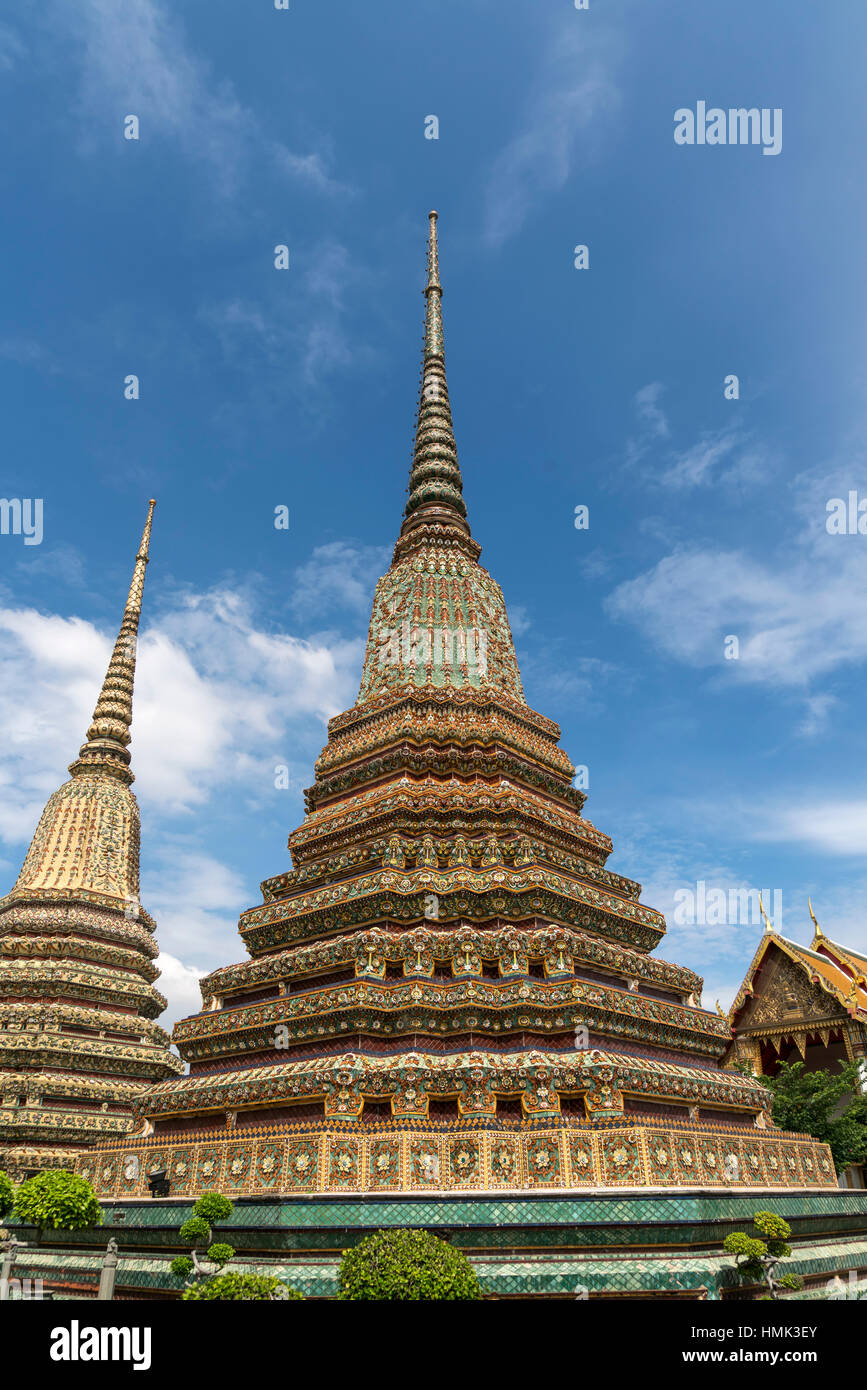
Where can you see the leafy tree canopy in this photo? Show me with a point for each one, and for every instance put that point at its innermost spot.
(7, 1195)
(827, 1104)
(247, 1287)
(57, 1200)
(405, 1264)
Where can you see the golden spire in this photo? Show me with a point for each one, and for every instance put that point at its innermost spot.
(819, 936)
(106, 747)
(769, 926)
(720, 1010)
(435, 486)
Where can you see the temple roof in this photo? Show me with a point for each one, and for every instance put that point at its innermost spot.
(839, 970)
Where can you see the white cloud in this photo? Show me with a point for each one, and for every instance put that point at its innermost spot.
(311, 324)
(180, 984)
(196, 900)
(338, 575)
(136, 61)
(831, 826)
(519, 619)
(796, 619)
(649, 410)
(309, 169)
(572, 88)
(216, 698)
(725, 457)
(817, 711)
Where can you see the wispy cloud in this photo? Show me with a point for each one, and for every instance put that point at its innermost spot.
(136, 60)
(195, 900)
(338, 576)
(726, 457)
(12, 50)
(837, 827)
(311, 323)
(572, 87)
(818, 709)
(649, 410)
(216, 697)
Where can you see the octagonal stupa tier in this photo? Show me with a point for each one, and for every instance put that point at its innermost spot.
(449, 989)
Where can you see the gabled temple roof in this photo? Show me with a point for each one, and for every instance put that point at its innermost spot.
(839, 970)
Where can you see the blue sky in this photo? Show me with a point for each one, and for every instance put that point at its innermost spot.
(601, 387)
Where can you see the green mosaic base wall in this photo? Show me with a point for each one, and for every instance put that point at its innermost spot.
(558, 1275)
(658, 1244)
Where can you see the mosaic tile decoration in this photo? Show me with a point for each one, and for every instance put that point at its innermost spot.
(403, 1161)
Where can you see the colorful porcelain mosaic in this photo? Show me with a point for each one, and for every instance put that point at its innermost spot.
(448, 941)
(405, 1161)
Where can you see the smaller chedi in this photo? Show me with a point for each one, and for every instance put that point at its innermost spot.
(78, 1037)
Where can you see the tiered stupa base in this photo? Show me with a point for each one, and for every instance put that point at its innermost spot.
(474, 1157)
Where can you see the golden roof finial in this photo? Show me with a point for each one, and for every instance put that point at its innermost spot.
(106, 747)
(819, 933)
(769, 926)
(720, 1010)
(856, 983)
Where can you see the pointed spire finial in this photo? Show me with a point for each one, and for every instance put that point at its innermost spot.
(819, 933)
(433, 256)
(769, 926)
(105, 749)
(435, 484)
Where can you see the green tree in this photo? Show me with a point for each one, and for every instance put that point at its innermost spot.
(249, 1287)
(757, 1256)
(57, 1200)
(7, 1195)
(406, 1265)
(210, 1208)
(829, 1105)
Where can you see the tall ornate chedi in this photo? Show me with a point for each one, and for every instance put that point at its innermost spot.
(449, 991)
(78, 1040)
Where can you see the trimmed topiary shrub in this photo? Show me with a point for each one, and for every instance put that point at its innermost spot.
(213, 1207)
(197, 1228)
(209, 1208)
(757, 1257)
(58, 1201)
(7, 1195)
(220, 1253)
(417, 1265)
(260, 1288)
